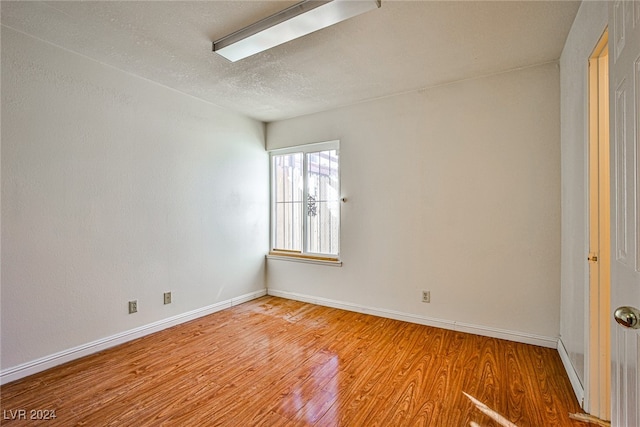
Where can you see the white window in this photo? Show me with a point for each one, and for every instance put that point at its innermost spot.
(305, 201)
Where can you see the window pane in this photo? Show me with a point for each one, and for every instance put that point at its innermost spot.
(323, 207)
(287, 190)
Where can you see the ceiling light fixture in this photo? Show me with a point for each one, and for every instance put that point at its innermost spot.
(296, 21)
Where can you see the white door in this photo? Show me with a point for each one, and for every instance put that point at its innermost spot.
(624, 72)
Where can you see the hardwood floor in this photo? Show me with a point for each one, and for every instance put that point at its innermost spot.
(276, 362)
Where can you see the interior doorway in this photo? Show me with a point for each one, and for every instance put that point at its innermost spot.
(598, 393)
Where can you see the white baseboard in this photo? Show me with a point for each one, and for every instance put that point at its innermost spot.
(578, 388)
(522, 337)
(44, 363)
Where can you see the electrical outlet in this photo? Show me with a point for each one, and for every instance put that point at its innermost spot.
(133, 306)
(426, 296)
(167, 297)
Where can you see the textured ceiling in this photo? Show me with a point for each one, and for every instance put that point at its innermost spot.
(403, 46)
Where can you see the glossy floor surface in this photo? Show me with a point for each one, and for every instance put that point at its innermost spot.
(276, 362)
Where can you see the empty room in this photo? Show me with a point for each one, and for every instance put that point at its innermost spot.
(320, 213)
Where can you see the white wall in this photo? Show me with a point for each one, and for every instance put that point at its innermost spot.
(587, 29)
(454, 189)
(115, 188)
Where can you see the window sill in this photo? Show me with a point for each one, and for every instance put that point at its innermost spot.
(308, 259)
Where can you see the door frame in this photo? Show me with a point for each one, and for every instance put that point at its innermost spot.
(598, 393)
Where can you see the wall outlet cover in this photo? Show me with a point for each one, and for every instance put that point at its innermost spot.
(133, 306)
(426, 296)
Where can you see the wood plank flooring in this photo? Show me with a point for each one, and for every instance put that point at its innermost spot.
(276, 362)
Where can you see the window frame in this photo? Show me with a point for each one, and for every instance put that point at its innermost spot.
(303, 255)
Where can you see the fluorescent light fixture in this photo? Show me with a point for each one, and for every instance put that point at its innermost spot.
(296, 21)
